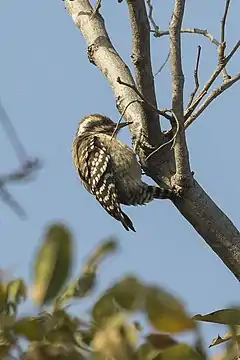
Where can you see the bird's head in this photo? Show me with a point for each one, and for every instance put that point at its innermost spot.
(97, 123)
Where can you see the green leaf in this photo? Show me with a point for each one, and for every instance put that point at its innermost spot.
(62, 319)
(114, 338)
(105, 248)
(3, 295)
(31, 328)
(83, 338)
(225, 316)
(161, 341)
(128, 293)
(6, 320)
(166, 313)
(79, 288)
(6, 343)
(17, 291)
(53, 264)
(180, 352)
(146, 352)
(104, 308)
(52, 351)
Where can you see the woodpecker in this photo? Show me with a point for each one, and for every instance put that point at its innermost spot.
(109, 169)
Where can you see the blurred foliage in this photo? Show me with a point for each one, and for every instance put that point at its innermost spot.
(108, 330)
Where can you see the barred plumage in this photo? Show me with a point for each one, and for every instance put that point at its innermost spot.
(109, 169)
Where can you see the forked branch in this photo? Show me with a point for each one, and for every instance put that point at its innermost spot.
(189, 118)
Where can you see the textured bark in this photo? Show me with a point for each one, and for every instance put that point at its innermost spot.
(195, 205)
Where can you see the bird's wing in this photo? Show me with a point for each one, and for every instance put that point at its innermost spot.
(96, 172)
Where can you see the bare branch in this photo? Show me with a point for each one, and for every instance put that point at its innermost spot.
(222, 46)
(195, 74)
(22, 174)
(223, 21)
(27, 166)
(12, 135)
(197, 31)
(183, 172)
(212, 96)
(209, 83)
(11, 202)
(141, 56)
(171, 140)
(102, 54)
(150, 16)
(162, 66)
(97, 7)
(160, 112)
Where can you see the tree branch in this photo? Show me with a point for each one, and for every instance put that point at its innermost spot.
(26, 169)
(209, 83)
(196, 31)
(213, 225)
(141, 58)
(183, 173)
(212, 96)
(160, 112)
(196, 206)
(222, 46)
(102, 54)
(195, 74)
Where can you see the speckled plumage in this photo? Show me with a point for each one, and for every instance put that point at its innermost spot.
(109, 169)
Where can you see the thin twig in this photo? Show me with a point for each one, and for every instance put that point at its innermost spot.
(222, 46)
(223, 21)
(97, 7)
(11, 202)
(121, 117)
(162, 66)
(12, 135)
(150, 16)
(195, 74)
(197, 31)
(25, 171)
(167, 142)
(212, 96)
(160, 112)
(209, 83)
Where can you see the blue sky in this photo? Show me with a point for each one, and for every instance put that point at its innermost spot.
(47, 85)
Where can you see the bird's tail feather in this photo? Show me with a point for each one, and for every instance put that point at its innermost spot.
(126, 222)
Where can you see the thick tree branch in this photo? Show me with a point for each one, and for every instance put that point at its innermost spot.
(141, 58)
(183, 172)
(196, 206)
(102, 53)
(213, 225)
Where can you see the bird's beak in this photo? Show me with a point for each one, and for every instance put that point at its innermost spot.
(123, 124)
